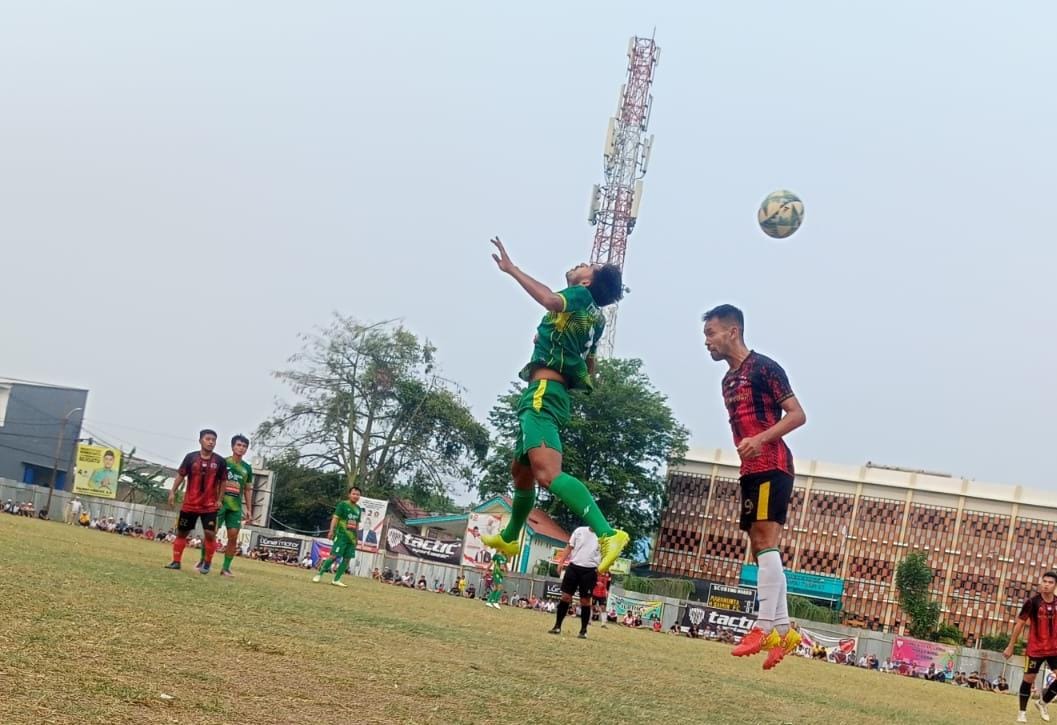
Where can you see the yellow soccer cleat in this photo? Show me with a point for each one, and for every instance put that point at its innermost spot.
(611, 546)
(496, 541)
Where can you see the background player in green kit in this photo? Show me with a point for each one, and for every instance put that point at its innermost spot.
(498, 562)
(236, 488)
(563, 359)
(343, 526)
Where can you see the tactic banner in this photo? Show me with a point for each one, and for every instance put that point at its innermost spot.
(398, 540)
(705, 618)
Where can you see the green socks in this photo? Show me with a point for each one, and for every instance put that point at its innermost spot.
(342, 568)
(227, 562)
(575, 495)
(494, 595)
(519, 513)
(325, 569)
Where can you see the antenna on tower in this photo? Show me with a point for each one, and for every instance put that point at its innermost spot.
(615, 202)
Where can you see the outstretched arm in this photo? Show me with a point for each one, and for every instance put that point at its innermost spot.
(539, 291)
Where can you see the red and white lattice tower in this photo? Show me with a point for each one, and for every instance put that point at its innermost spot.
(615, 202)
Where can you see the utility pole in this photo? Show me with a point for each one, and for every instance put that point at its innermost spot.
(58, 451)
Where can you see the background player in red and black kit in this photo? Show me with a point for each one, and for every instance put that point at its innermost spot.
(204, 472)
(762, 409)
(1039, 615)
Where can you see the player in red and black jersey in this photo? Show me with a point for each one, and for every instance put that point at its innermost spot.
(762, 409)
(1039, 615)
(205, 472)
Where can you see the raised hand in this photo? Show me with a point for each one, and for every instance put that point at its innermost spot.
(502, 260)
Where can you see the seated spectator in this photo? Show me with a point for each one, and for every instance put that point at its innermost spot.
(149, 534)
(656, 626)
(674, 629)
(42, 514)
(84, 519)
(638, 620)
(471, 591)
(138, 530)
(1001, 685)
(376, 574)
(421, 584)
(629, 619)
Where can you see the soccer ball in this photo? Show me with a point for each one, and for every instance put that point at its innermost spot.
(780, 214)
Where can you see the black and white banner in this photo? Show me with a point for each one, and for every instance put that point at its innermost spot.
(399, 540)
(552, 590)
(718, 619)
(280, 544)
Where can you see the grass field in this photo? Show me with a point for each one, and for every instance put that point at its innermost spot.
(94, 630)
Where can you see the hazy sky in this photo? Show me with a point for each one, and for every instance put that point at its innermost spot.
(184, 187)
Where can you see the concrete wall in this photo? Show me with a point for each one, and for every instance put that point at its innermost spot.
(148, 516)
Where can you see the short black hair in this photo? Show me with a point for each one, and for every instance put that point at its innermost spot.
(607, 285)
(1050, 575)
(354, 488)
(206, 432)
(726, 313)
(108, 453)
(239, 438)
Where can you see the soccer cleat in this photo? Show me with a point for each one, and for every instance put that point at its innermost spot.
(750, 644)
(317, 578)
(339, 584)
(497, 542)
(611, 547)
(204, 569)
(554, 630)
(198, 566)
(225, 572)
(173, 565)
(778, 647)
(1022, 716)
(1043, 712)
(582, 635)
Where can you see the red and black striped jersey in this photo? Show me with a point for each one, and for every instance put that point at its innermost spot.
(753, 394)
(204, 477)
(1041, 617)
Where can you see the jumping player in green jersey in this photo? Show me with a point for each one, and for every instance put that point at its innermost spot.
(498, 562)
(343, 526)
(563, 359)
(237, 487)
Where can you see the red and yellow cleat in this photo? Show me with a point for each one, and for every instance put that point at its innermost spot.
(778, 647)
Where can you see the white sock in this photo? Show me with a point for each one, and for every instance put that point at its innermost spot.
(769, 588)
(781, 610)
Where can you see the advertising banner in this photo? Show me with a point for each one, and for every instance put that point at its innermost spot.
(648, 610)
(474, 553)
(915, 655)
(552, 590)
(96, 470)
(398, 540)
(369, 535)
(320, 551)
(280, 544)
(703, 617)
(730, 598)
(837, 649)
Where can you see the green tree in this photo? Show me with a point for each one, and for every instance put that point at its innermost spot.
(913, 578)
(618, 442)
(948, 633)
(145, 484)
(304, 497)
(369, 404)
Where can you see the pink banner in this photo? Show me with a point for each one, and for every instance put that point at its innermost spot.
(915, 655)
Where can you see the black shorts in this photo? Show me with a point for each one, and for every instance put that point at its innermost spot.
(187, 521)
(765, 497)
(1032, 664)
(583, 578)
(600, 601)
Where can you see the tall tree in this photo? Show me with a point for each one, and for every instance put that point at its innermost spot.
(304, 497)
(369, 404)
(913, 579)
(618, 442)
